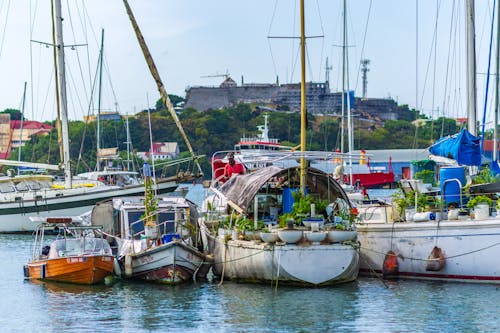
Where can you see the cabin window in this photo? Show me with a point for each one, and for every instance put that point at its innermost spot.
(22, 186)
(6, 188)
(34, 186)
(136, 225)
(166, 222)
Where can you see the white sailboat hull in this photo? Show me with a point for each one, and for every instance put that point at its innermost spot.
(15, 213)
(313, 265)
(471, 249)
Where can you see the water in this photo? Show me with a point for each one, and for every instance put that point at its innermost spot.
(367, 305)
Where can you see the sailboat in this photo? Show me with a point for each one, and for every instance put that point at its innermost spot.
(461, 248)
(264, 238)
(41, 195)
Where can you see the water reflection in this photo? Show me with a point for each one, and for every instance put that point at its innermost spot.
(366, 305)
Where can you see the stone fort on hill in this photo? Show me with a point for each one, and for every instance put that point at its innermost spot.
(320, 101)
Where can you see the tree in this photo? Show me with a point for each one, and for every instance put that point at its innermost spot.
(14, 114)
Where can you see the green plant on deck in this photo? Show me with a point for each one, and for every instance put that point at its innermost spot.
(150, 215)
(243, 223)
(479, 199)
(407, 200)
(484, 176)
(301, 208)
(427, 176)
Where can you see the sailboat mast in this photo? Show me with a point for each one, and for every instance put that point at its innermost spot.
(62, 95)
(350, 143)
(471, 67)
(303, 110)
(98, 165)
(21, 127)
(159, 83)
(497, 100)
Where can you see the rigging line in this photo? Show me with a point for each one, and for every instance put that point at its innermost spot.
(438, 5)
(488, 76)
(447, 68)
(272, 17)
(322, 42)
(272, 57)
(294, 64)
(293, 42)
(309, 63)
(32, 15)
(83, 23)
(433, 47)
(4, 27)
(364, 43)
(269, 41)
(89, 108)
(85, 91)
(415, 143)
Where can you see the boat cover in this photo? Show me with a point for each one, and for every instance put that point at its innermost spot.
(463, 147)
(241, 189)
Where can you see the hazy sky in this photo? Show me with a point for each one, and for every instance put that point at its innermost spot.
(190, 39)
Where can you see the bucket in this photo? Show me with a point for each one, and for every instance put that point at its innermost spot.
(424, 216)
(167, 238)
(481, 212)
(449, 185)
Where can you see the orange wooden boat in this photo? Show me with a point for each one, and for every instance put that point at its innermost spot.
(76, 255)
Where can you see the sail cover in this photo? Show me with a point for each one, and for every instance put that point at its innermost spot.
(463, 147)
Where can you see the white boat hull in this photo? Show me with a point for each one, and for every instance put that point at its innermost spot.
(313, 265)
(14, 216)
(471, 249)
(170, 263)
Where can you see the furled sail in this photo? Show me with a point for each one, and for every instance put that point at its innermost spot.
(463, 147)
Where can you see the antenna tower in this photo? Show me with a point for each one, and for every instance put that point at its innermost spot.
(364, 70)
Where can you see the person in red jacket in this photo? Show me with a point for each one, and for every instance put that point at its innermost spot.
(232, 167)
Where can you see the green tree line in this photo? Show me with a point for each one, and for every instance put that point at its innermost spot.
(220, 129)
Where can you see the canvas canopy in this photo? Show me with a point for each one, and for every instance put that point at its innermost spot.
(241, 189)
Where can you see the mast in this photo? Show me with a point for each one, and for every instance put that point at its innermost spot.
(62, 95)
(128, 143)
(303, 110)
(471, 67)
(98, 165)
(350, 144)
(497, 101)
(21, 127)
(159, 83)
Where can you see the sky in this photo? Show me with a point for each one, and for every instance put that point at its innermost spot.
(192, 39)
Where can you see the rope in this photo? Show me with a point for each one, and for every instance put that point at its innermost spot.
(374, 272)
(447, 257)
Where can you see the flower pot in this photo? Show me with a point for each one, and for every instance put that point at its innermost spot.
(339, 236)
(409, 213)
(315, 237)
(481, 211)
(453, 214)
(151, 231)
(307, 222)
(269, 237)
(290, 236)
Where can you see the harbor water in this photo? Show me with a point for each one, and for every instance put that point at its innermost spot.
(366, 305)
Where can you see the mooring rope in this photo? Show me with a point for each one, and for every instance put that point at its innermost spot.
(419, 259)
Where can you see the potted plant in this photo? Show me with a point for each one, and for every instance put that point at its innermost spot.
(481, 205)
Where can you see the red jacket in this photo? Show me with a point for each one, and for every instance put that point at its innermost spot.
(235, 168)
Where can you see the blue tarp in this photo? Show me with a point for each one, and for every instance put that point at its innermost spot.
(462, 147)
